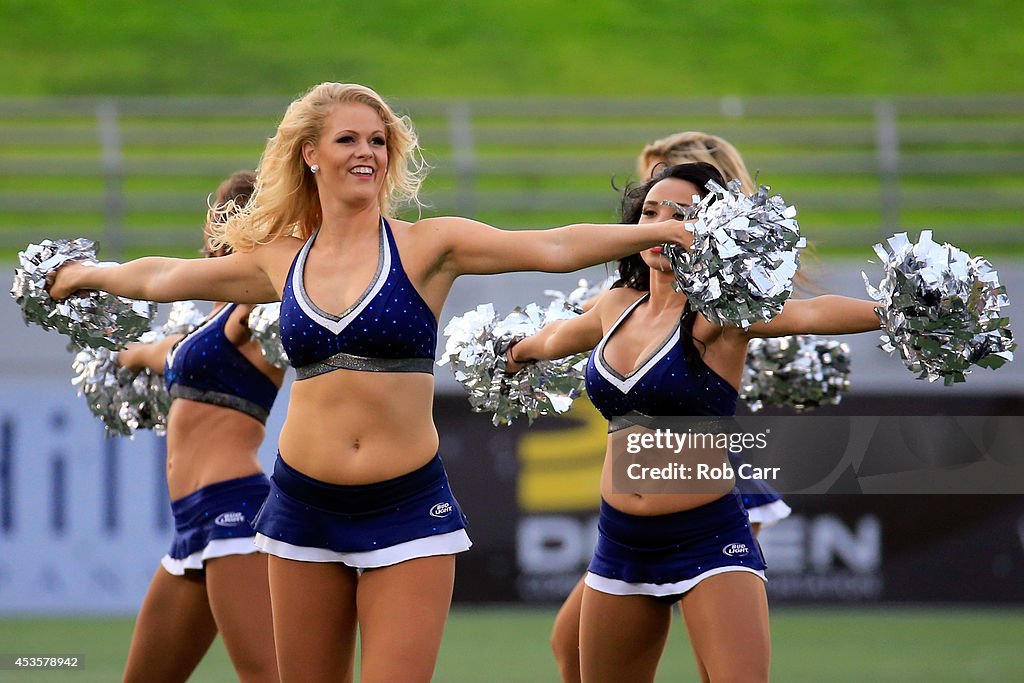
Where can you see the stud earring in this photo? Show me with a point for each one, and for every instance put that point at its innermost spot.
(314, 169)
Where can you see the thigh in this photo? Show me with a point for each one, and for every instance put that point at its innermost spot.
(402, 612)
(239, 594)
(565, 635)
(621, 636)
(173, 631)
(314, 608)
(727, 619)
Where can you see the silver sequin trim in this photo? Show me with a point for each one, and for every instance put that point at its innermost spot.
(219, 398)
(347, 361)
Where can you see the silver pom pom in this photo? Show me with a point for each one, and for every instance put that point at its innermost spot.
(265, 327)
(183, 317)
(476, 346)
(95, 319)
(123, 399)
(583, 293)
(940, 308)
(799, 371)
(745, 253)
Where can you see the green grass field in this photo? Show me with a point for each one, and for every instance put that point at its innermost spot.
(602, 47)
(506, 645)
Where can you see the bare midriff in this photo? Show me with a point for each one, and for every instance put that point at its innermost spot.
(353, 427)
(207, 444)
(679, 496)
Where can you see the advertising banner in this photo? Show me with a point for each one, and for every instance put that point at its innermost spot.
(84, 519)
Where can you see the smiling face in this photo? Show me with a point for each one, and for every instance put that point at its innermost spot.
(351, 153)
(668, 199)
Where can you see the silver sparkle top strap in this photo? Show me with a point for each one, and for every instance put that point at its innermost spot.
(630, 419)
(219, 398)
(714, 424)
(347, 361)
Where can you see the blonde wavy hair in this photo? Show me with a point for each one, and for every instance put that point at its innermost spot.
(286, 200)
(237, 188)
(690, 146)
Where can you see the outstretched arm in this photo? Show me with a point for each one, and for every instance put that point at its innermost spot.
(240, 277)
(137, 356)
(557, 340)
(471, 247)
(828, 314)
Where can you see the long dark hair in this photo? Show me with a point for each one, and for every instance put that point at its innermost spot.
(633, 272)
(636, 274)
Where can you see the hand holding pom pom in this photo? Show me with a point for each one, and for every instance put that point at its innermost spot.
(124, 399)
(477, 348)
(745, 253)
(91, 319)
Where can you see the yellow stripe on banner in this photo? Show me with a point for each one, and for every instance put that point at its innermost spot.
(560, 470)
(560, 491)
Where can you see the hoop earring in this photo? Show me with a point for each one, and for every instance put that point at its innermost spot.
(314, 169)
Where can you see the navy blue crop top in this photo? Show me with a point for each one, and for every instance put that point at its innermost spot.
(207, 367)
(666, 384)
(388, 329)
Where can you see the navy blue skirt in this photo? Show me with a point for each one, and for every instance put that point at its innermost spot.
(215, 521)
(763, 503)
(667, 555)
(362, 526)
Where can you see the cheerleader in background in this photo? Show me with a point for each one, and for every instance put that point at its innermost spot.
(213, 579)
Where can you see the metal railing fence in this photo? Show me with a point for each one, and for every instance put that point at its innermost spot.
(136, 172)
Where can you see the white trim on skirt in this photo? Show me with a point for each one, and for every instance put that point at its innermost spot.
(617, 587)
(769, 514)
(218, 547)
(442, 544)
